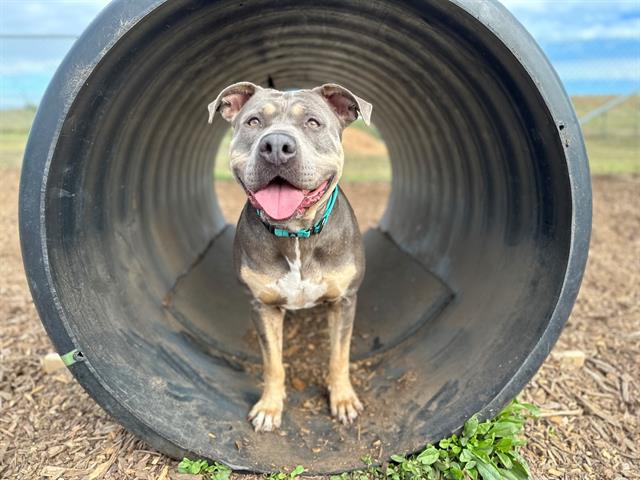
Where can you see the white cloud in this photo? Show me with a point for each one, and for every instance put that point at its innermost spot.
(564, 5)
(531, 5)
(575, 20)
(552, 30)
(22, 67)
(629, 29)
(50, 16)
(600, 69)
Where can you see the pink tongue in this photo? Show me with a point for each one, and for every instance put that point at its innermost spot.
(279, 200)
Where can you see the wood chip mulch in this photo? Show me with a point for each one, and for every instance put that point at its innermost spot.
(587, 389)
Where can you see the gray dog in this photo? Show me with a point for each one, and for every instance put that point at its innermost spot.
(297, 244)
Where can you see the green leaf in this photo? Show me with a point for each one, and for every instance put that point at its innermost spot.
(506, 428)
(367, 460)
(214, 471)
(466, 456)
(196, 467)
(223, 473)
(516, 473)
(520, 466)
(519, 407)
(506, 461)
(483, 428)
(507, 474)
(479, 453)
(473, 473)
(398, 458)
(486, 444)
(442, 465)
(504, 444)
(456, 473)
(297, 471)
(429, 455)
(184, 465)
(532, 409)
(516, 408)
(471, 426)
(486, 470)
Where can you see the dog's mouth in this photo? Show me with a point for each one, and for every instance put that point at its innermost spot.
(280, 200)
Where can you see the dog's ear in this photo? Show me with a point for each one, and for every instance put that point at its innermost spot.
(345, 104)
(231, 100)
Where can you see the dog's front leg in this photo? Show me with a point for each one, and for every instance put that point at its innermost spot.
(266, 415)
(343, 399)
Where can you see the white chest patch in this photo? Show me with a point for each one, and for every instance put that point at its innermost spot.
(298, 292)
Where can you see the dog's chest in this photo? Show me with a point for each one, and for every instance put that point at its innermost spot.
(296, 291)
(300, 286)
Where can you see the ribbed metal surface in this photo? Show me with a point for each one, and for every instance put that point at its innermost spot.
(490, 193)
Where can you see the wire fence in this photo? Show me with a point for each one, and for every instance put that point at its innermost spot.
(616, 117)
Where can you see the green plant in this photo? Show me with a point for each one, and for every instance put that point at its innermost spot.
(483, 451)
(215, 471)
(287, 476)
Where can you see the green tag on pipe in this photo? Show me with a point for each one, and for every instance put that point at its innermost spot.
(72, 357)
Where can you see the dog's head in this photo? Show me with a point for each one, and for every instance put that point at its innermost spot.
(286, 148)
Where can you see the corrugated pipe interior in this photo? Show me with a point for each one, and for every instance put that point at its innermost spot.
(472, 271)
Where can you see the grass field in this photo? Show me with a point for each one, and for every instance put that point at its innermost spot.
(613, 142)
(14, 129)
(613, 139)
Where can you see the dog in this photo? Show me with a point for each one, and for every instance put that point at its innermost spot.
(297, 242)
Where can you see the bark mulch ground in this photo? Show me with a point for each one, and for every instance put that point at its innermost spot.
(587, 389)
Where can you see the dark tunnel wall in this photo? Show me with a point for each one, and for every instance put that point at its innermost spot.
(485, 234)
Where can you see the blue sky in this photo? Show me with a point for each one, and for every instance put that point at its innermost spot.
(593, 44)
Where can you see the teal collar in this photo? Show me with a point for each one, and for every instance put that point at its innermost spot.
(305, 232)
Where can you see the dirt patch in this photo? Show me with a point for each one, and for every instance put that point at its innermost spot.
(588, 388)
(306, 360)
(363, 143)
(594, 432)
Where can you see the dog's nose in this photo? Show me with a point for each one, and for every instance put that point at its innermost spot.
(277, 148)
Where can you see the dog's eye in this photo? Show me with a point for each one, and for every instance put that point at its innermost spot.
(313, 123)
(254, 122)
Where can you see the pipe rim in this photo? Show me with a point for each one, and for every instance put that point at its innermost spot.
(87, 53)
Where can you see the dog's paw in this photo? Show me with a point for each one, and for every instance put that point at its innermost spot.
(345, 404)
(266, 415)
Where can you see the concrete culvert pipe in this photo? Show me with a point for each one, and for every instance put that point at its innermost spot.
(471, 273)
